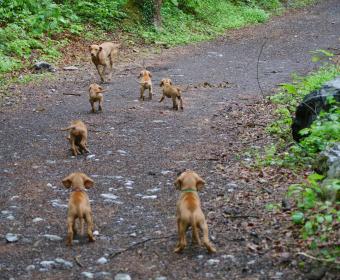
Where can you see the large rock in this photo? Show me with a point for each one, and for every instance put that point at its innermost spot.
(43, 66)
(312, 105)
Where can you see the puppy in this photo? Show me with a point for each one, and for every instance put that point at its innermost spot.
(78, 205)
(145, 83)
(103, 57)
(77, 137)
(95, 94)
(189, 211)
(171, 91)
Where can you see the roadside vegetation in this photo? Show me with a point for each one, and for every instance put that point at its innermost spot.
(317, 199)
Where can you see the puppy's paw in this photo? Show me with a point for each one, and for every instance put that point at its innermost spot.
(178, 250)
(211, 249)
(92, 239)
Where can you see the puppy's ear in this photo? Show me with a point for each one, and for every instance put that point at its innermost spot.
(100, 88)
(67, 181)
(90, 47)
(140, 75)
(199, 183)
(170, 82)
(88, 182)
(162, 83)
(100, 48)
(178, 182)
(150, 75)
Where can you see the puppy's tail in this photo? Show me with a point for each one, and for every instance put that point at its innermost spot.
(68, 128)
(195, 232)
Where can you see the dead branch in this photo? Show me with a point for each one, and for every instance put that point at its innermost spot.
(76, 258)
(115, 254)
(75, 94)
(317, 259)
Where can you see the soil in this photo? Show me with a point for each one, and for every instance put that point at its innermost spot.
(139, 149)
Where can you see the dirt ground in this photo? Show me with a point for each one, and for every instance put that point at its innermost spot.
(139, 147)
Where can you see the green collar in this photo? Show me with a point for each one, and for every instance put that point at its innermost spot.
(188, 190)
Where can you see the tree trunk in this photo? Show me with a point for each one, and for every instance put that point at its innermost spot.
(157, 15)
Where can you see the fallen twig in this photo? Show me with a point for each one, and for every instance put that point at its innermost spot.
(75, 94)
(239, 216)
(113, 255)
(317, 259)
(76, 258)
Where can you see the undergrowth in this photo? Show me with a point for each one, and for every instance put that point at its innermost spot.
(317, 198)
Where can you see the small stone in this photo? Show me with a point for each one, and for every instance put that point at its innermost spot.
(30, 267)
(96, 232)
(10, 217)
(149, 196)
(251, 262)
(200, 257)
(278, 274)
(122, 276)
(5, 212)
(231, 257)
(52, 237)
(47, 264)
(161, 278)
(11, 237)
(102, 260)
(109, 196)
(213, 262)
(87, 274)
(133, 234)
(63, 263)
(43, 66)
(104, 274)
(36, 220)
(90, 157)
(49, 185)
(70, 68)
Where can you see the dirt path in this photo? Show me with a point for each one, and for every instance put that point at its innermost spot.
(139, 147)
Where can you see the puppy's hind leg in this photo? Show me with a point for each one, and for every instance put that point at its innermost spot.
(70, 225)
(206, 242)
(89, 221)
(182, 242)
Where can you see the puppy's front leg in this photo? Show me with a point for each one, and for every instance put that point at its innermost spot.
(150, 92)
(142, 93)
(162, 98)
(100, 72)
(92, 106)
(174, 103)
(100, 103)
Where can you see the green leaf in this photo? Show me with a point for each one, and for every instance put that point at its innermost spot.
(329, 218)
(298, 217)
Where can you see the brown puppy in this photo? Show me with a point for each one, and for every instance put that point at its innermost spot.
(103, 57)
(171, 91)
(189, 211)
(77, 137)
(145, 83)
(95, 94)
(78, 205)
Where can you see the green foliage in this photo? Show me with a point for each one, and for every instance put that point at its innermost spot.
(103, 14)
(317, 213)
(200, 20)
